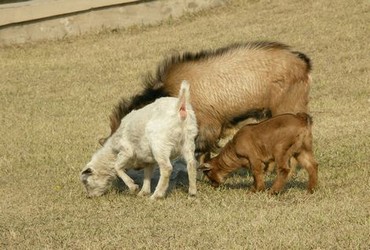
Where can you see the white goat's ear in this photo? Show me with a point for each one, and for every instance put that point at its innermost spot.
(86, 174)
(205, 167)
(102, 141)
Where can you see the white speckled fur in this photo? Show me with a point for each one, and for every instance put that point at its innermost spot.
(157, 133)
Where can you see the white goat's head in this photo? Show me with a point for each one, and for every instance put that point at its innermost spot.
(98, 174)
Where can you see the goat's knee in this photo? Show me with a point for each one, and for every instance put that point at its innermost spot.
(165, 170)
(121, 161)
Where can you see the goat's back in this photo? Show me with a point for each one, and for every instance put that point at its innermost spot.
(157, 123)
(228, 85)
(281, 130)
(161, 114)
(228, 82)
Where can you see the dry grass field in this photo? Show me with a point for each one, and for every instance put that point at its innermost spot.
(55, 98)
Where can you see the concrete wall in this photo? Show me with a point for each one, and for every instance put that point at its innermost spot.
(54, 19)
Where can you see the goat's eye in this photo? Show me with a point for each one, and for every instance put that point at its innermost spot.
(215, 184)
(206, 172)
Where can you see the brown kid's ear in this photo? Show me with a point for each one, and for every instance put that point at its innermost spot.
(202, 158)
(205, 167)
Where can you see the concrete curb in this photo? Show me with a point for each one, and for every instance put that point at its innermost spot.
(39, 9)
(55, 19)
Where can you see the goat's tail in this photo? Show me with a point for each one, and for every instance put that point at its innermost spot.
(306, 118)
(304, 58)
(184, 99)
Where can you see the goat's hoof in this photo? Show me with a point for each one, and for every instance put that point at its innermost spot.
(143, 193)
(310, 191)
(156, 196)
(134, 188)
(251, 191)
(193, 198)
(192, 195)
(254, 190)
(192, 192)
(273, 192)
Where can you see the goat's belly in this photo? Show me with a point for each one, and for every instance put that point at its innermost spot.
(144, 160)
(140, 161)
(137, 165)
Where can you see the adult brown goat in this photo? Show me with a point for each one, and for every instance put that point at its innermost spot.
(229, 85)
(278, 140)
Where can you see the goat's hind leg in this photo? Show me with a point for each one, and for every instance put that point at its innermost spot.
(307, 160)
(165, 169)
(122, 160)
(148, 172)
(188, 153)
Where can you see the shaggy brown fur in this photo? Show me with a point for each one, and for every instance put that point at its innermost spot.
(229, 85)
(256, 145)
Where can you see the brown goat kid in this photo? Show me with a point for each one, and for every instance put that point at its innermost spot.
(256, 145)
(229, 85)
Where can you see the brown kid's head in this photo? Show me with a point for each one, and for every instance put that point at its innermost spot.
(212, 173)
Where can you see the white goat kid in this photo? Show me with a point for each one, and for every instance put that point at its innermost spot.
(156, 133)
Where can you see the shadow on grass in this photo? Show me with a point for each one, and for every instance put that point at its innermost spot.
(240, 179)
(243, 179)
(178, 179)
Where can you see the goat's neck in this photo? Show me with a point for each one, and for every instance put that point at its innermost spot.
(227, 161)
(104, 159)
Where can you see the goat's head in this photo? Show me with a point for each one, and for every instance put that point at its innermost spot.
(212, 173)
(96, 182)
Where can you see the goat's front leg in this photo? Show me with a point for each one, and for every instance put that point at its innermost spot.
(165, 169)
(145, 190)
(306, 159)
(122, 160)
(258, 175)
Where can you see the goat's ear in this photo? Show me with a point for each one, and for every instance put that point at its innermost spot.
(205, 167)
(203, 157)
(86, 174)
(87, 171)
(102, 141)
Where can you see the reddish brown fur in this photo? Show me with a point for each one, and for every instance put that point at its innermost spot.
(229, 85)
(275, 140)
